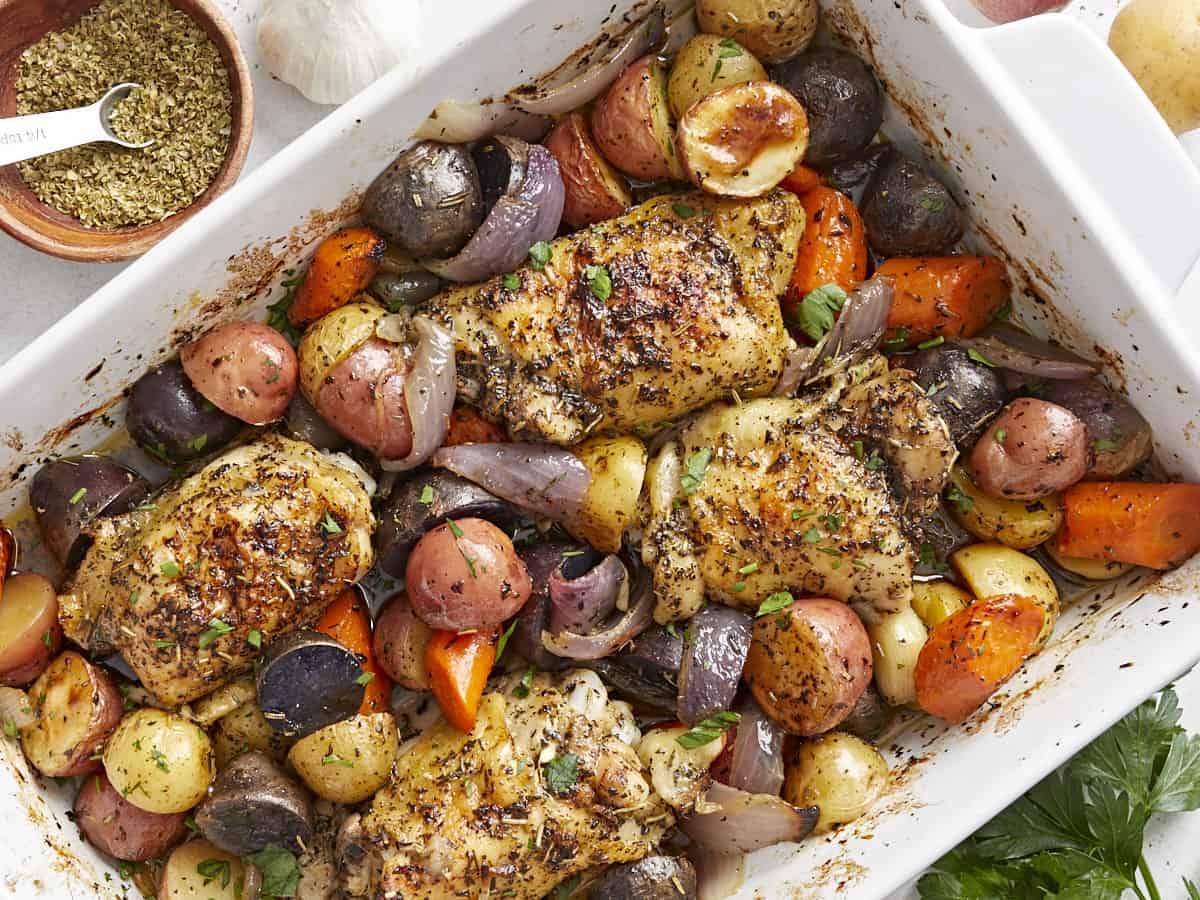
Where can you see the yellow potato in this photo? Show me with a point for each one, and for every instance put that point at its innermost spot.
(896, 642)
(1159, 43)
(244, 729)
(332, 338)
(348, 761)
(618, 467)
(1091, 569)
(773, 30)
(202, 871)
(160, 762)
(935, 601)
(991, 570)
(840, 773)
(707, 63)
(1020, 524)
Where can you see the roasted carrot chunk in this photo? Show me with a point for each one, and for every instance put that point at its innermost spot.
(950, 296)
(469, 427)
(348, 621)
(458, 667)
(801, 180)
(970, 654)
(343, 266)
(1153, 525)
(833, 249)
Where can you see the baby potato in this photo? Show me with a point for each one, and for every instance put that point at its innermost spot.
(934, 601)
(160, 762)
(1020, 524)
(841, 774)
(809, 664)
(350, 760)
(773, 30)
(631, 123)
(246, 728)
(618, 468)
(1159, 43)
(707, 63)
(991, 570)
(77, 706)
(595, 191)
(29, 631)
(896, 642)
(399, 643)
(742, 140)
(332, 338)
(1089, 569)
(245, 369)
(199, 870)
(119, 828)
(1031, 450)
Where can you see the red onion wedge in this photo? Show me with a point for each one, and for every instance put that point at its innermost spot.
(522, 217)
(756, 761)
(580, 604)
(545, 480)
(1008, 347)
(713, 656)
(605, 642)
(717, 876)
(458, 122)
(428, 393)
(586, 75)
(744, 822)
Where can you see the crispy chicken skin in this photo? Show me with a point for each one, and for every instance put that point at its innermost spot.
(480, 814)
(244, 541)
(693, 317)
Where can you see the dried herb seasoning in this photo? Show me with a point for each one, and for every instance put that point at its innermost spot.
(184, 106)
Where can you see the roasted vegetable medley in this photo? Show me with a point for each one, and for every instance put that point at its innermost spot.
(586, 508)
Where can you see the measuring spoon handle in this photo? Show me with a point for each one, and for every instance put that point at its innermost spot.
(24, 137)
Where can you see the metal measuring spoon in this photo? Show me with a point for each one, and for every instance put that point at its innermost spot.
(24, 137)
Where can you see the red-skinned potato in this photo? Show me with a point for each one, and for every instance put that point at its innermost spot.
(595, 190)
(1031, 450)
(77, 707)
(399, 643)
(466, 575)
(363, 398)
(742, 140)
(29, 630)
(809, 664)
(631, 123)
(246, 369)
(117, 827)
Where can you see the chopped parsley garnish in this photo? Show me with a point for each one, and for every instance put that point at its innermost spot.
(454, 529)
(978, 357)
(511, 282)
(748, 569)
(1000, 435)
(160, 760)
(729, 49)
(931, 343)
(170, 568)
(365, 678)
(696, 464)
(707, 731)
(163, 645)
(812, 536)
(10, 728)
(427, 495)
(521, 691)
(254, 639)
(334, 760)
(599, 281)
(928, 558)
(814, 315)
(798, 514)
(774, 603)
(738, 587)
(875, 461)
(48, 638)
(278, 311)
(961, 501)
(197, 443)
(330, 524)
(503, 642)
(683, 210)
(78, 495)
(1001, 313)
(932, 204)
(215, 629)
(540, 254)
(562, 773)
(831, 522)
(213, 869)
(1102, 444)
(897, 342)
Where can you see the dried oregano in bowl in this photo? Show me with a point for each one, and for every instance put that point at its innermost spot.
(183, 106)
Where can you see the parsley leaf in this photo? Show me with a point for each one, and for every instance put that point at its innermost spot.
(511, 282)
(365, 678)
(814, 315)
(774, 603)
(562, 773)
(978, 357)
(683, 210)
(280, 871)
(213, 869)
(330, 524)
(427, 495)
(521, 691)
(897, 342)
(1102, 444)
(215, 629)
(10, 728)
(77, 496)
(502, 644)
(540, 254)
(961, 501)
(707, 731)
(1177, 787)
(932, 204)
(277, 316)
(599, 281)
(931, 343)
(696, 464)
(254, 639)
(170, 568)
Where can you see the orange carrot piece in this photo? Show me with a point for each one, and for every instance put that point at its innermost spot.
(833, 249)
(458, 667)
(970, 654)
(344, 264)
(950, 296)
(1152, 525)
(469, 427)
(348, 621)
(801, 180)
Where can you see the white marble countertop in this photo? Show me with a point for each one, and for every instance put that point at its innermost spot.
(39, 289)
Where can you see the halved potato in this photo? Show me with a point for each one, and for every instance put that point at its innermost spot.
(199, 870)
(774, 30)
(1091, 569)
(935, 601)
(896, 642)
(29, 630)
(350, 760)
(742, 140)
(595, 190)
(332, 338)
(992, 570)
(707, 63)
(631, 123)
(618, 467)
(77, 707)
(1020, 524)
(159, 761)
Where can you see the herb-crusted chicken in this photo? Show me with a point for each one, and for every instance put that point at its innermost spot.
(634, 321)
(261, 539)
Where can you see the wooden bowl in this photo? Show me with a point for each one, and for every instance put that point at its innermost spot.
(44, 228)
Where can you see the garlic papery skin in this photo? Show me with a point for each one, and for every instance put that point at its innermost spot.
(329, 50)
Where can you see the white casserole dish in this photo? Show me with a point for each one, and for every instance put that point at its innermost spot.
(1041, 166)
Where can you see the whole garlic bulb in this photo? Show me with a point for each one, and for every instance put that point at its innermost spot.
(329, 50)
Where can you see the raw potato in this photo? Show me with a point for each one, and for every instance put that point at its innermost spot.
(631, 123)
(350, 760)
(246, 728)
(332, 338)
(618, 467)
(742, 140)
(160, 762)
(198, 870)
(1159, 42)
(77, 707)
(773, 30)
(840, 773)
(1091, 569)
(991, 570)
(935, 601)
(707, 63)
(1020, 524)
(896, 642)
